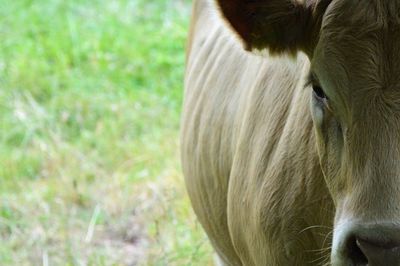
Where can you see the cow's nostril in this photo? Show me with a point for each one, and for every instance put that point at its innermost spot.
(355, 253)
(380, 252)
(368, 244)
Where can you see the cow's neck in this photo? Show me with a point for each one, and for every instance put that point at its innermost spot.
(284, 193)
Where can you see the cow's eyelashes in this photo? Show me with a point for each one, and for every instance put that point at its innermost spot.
(319, 92)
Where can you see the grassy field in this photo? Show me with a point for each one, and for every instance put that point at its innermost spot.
(90, 99)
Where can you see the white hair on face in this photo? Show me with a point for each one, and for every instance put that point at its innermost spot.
(339, 236)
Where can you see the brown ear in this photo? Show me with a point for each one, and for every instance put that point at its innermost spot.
(279, 25)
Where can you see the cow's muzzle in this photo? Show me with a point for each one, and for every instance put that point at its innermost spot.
(366, 244)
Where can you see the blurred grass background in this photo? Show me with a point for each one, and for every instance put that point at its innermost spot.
(90, 99)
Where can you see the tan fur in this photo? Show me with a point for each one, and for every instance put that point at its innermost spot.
(263, 170)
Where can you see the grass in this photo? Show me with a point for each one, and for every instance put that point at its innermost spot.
(90, 98)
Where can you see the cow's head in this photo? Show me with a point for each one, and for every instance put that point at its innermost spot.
(354, 81)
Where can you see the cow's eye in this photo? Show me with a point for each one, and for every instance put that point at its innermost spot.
(319, 92)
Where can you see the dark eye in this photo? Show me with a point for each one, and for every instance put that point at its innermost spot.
(319, 92)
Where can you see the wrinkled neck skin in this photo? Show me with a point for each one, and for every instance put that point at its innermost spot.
(276, 184)
(249, 151)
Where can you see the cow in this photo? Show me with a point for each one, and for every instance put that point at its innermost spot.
(290, 133)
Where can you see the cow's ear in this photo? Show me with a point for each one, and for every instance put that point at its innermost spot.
(279, 25)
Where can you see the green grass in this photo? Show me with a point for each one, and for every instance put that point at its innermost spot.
(90, 98)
